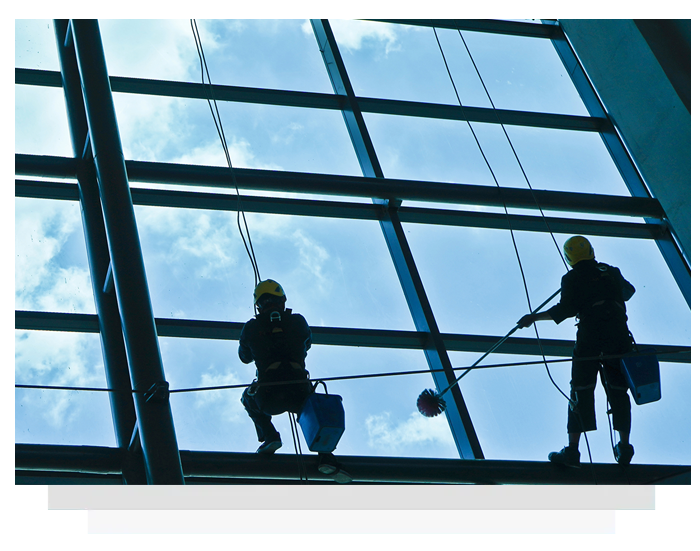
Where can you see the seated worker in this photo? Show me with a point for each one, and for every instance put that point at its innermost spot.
(277, 341)
(596, 294)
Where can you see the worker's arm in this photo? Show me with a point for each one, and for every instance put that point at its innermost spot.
(245, 353)
(528, 319)
(627, 288)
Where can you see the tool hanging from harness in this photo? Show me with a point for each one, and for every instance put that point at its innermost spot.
(322, 420)
(642, 375)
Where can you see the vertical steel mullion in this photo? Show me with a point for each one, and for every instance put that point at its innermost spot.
(116, 367)
(155, 422)
(670, 249)
(416, 297)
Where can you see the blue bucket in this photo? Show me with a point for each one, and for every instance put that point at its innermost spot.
(643, 378)
(322, 421)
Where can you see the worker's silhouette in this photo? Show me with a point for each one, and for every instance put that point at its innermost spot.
(596, 294)
(278, 341)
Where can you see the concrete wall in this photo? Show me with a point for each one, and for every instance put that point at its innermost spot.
(650, 113)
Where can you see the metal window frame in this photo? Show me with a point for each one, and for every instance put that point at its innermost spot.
(387, 195)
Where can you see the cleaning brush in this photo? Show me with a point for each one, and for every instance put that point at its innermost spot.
(430, 403)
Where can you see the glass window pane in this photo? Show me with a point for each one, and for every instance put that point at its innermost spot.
(380, 414)
(520, 73)
(446, 151)
(51, 269)
(41, 125)
(198, 269)
(384, 60)
(565, 160)
(35, 45)
(61, 416)
(258, 136)
(403, 62)
(281, 54)
(459, 266)
(431, 150)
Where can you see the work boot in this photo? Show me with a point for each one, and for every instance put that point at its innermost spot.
(567, 456)
(270, 445)
(328, 464)
(623, 453)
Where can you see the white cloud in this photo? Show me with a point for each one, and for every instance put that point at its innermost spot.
(201, 242)
(72, 291)
(226, 402)
(210, 243)
(149, 125)
(42, 231)
(354, 34)
(287, 134)
(212, 154)
(57, 358)
(61, 359)
(312, 255)
(41, 124)
(392, 437)
(151, 48)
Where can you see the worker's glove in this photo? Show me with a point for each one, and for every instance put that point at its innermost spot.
(526, 321)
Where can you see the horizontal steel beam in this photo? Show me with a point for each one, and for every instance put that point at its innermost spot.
(229, 467)
(317, 100)
(357, 211)
(482, 114)
(336, 336)
(355, 186)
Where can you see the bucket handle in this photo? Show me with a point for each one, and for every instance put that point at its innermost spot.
(322, 383)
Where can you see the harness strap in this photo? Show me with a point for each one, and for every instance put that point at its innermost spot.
(275, 365)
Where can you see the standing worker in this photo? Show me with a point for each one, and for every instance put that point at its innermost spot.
(278, 340)
(596, 294)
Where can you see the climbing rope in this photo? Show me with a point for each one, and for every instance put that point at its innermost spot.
(211, 101)
(303, 476)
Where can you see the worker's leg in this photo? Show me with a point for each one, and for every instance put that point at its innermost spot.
(263, 422)
(616, 389)
(581, 412)
(621, 408)
(574, 438)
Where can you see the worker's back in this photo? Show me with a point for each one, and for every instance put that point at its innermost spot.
(597, 292)
(273, 337)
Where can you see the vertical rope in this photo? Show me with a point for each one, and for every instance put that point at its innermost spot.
(297, 449)
(248, 244)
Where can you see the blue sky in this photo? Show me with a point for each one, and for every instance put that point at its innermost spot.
(335, 272)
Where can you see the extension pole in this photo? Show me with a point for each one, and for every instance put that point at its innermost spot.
(499, 343)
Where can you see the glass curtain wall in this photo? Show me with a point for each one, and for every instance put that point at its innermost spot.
(325, 245)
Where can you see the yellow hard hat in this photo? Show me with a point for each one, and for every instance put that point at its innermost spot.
(578, 248)
(268, 287)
